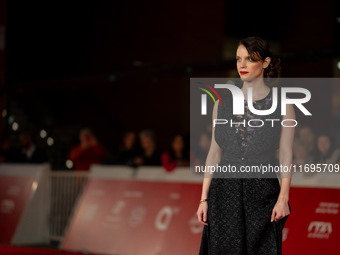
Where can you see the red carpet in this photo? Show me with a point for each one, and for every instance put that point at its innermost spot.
(13, 250)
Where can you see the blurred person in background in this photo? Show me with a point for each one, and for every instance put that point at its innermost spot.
(128, 151)
(87, 152)
(200, 153)
(150, 154)
(28, 152)
(299, 153)
(307, 138)
(5, 148)
(325, 151)
(177, 155)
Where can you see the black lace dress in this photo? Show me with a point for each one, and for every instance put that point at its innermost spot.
(239, 207)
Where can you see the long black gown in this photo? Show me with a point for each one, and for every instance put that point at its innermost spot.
(239, 209)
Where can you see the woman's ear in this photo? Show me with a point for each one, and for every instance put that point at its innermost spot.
(266, 62)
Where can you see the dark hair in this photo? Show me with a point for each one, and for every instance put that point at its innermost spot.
(185, 151)
(259, 50)
(317, 156)
(148, 133)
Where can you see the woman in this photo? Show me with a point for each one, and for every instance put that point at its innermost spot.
(128, 149)
(325, 151)
(151, 154)
(300, 155)
(177, 155)
(247, 215)
(200, 154)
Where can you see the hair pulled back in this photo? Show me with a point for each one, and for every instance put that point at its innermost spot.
(259, 50)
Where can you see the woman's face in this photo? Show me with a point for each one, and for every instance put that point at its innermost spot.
(306, 134)
(204, 142)
(299, 151)
(129, 140)
(146, 142)
(178, 143)
(324, 144)
(248, 68)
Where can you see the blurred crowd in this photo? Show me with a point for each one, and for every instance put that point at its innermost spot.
(141, 149)
(26, 152)
(136, 149)
(311, 148)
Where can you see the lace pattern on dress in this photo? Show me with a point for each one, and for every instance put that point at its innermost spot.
(246, 133)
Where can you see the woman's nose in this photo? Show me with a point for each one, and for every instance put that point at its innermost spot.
(243, 64)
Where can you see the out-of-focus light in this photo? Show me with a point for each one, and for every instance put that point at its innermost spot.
(137, 63)
(10, 119)
(188, 69)
(34, 186)
(338, 65)
(338, 19)
(69, 164)
(50, 141)
(43, 133)
(4, 113)
(15, 126)
(112, 77)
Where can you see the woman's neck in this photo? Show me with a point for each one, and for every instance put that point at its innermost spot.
(259, 89)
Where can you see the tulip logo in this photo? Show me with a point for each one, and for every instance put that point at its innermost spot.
(204, 97)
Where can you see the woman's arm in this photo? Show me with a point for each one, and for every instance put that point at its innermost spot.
(281, 208)
(214, 157)
(286, 152)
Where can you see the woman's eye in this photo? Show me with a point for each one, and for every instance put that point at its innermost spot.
(250, 59)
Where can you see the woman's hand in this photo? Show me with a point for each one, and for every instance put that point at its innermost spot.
(202, 213)
(280, 210)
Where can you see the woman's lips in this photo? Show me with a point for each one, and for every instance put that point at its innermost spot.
(243, 72)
